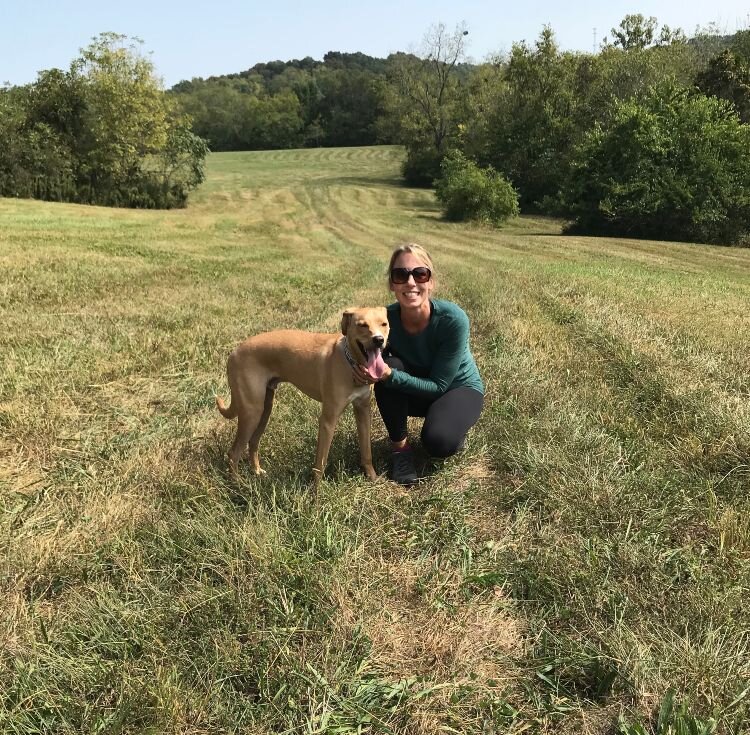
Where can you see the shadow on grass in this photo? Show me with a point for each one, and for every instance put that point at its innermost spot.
(285, 482)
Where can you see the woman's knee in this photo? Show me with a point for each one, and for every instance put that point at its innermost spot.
(440, 441)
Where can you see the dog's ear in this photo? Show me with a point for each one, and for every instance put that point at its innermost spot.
(346, 317)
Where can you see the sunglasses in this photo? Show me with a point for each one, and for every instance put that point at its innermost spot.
(421, 274)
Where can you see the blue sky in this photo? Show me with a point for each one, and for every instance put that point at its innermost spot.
(199, 39)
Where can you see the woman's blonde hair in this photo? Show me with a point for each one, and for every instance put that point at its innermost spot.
(417, 251)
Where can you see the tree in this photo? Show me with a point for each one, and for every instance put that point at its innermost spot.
(468, 192)
(270, 122)
(348, 106)
(58, 99)
(216, 111)
(728, 77)
(424, 99)
(672, 166)
(35, 160)
(526, 114)
(103, 132)
(636, 32)
(533, 118)
(336, 102)
(179, 166)
(126, 116)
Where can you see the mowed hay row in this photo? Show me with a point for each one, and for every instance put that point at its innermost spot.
(586, 553)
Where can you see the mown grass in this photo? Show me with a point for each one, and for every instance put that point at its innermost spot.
(586, 557)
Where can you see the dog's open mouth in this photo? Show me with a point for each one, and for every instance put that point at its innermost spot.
(374, 365)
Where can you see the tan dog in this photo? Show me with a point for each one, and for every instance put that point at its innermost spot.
(320, 365)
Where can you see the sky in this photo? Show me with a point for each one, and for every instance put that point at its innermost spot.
(189, 39)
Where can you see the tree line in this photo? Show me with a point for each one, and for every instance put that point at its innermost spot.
(292, 104)
(646, 137)
(649, 137)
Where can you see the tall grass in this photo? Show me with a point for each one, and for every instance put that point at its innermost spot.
(583, 567)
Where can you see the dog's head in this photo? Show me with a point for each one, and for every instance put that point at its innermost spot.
(366, 331)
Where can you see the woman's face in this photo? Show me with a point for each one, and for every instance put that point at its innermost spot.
(411, 295)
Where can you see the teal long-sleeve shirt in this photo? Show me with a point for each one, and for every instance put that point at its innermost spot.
(437, 359)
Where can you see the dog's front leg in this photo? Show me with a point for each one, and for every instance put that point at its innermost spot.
(363, 417)
(326, 426)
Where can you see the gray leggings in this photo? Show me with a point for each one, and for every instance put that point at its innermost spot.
(447, 418)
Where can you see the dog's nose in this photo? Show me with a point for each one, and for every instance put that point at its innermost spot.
(378, 340)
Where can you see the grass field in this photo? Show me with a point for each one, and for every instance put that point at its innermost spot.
(587, 556)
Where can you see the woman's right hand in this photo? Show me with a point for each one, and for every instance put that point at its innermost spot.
(362, 375)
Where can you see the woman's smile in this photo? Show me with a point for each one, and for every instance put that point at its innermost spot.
(412, 295)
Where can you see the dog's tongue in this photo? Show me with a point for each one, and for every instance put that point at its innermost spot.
(375, 365)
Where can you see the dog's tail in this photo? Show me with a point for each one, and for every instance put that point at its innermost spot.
(232, 410)
(228, 412)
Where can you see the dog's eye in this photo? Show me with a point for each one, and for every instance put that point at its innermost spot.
(384, 324)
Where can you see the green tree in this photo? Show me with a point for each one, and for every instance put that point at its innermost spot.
(271, 122)
(103, 132)
(618, 75)
(348, 107)
(728, 77)
(423, 100)
(216, 111)
(126, 117)
(526, 113)
(178, 168)
(35, 161)
(468, 192)
(58, 99)
(337, 103)
(636, 32)
(533, 118)
(672, 165)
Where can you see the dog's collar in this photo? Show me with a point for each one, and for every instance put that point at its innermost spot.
(347, 354)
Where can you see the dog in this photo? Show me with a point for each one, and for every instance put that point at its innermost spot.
(320, 365)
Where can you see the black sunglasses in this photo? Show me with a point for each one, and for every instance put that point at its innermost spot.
(421, 274)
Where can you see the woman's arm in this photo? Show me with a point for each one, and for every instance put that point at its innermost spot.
(454, 336)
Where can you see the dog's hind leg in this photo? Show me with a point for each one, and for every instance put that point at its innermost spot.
(249, 395)
(261, 427)
(246, 423)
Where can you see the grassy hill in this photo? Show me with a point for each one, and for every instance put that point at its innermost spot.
(587, 553)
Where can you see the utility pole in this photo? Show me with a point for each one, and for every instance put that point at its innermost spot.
(594, 46)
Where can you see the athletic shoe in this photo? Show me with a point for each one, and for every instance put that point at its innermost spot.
(403, 470)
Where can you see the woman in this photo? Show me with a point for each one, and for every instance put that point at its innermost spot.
(429, 371)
